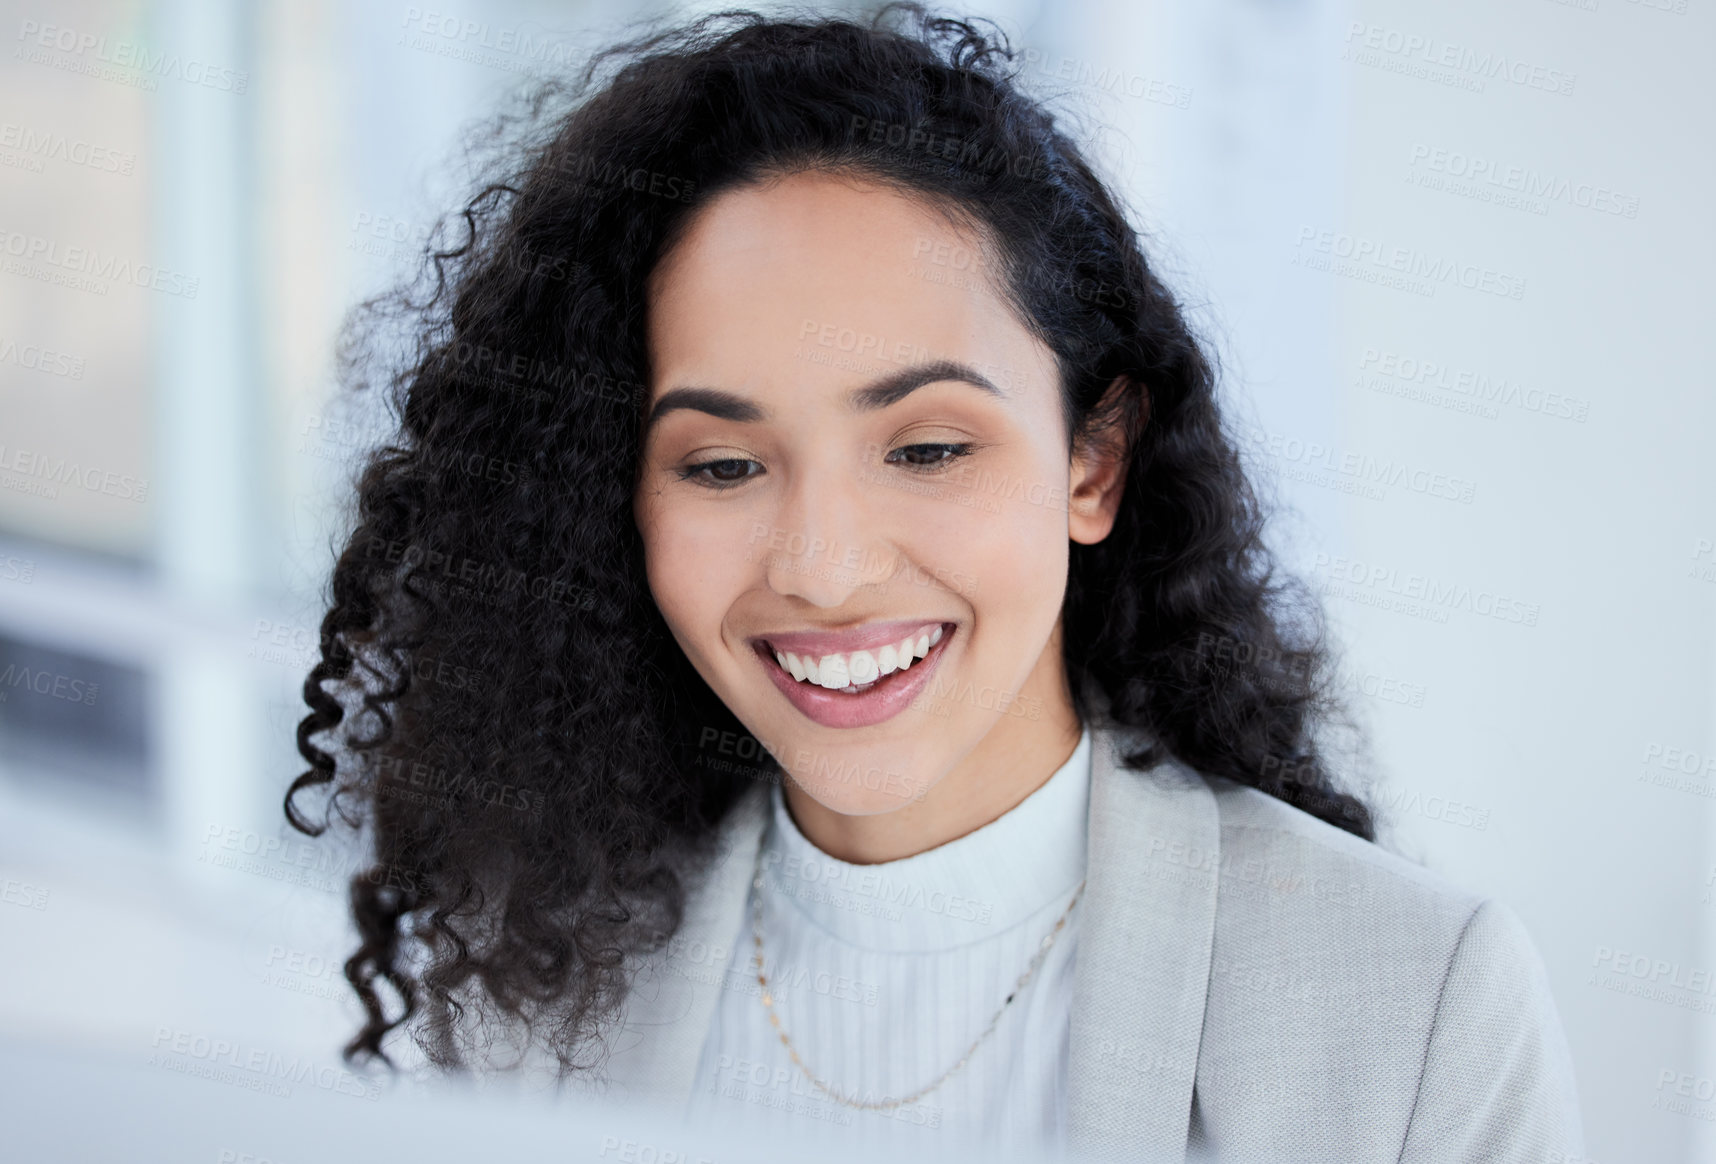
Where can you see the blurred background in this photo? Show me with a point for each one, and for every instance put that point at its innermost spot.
(1453, 259)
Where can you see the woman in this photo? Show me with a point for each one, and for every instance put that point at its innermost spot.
(824, 667)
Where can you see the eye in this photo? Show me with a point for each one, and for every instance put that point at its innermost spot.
(950, 453)
(718, 474)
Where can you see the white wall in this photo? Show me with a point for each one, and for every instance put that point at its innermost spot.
(1545, 735)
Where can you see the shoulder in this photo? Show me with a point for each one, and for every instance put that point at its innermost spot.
(1261, 834)
(1418, 1005)
(1295, 888)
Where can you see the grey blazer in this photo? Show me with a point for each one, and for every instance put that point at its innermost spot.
(1250, 983)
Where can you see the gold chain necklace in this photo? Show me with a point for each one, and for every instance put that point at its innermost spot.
(829, 1089)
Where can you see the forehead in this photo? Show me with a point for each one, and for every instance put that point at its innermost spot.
(815, 261)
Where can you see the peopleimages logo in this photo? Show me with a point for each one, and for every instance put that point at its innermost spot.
(1355, 472)
(1460, 61)
(1659, 979)
(34, 255)
(1481, 172)
(1373, 261)
(25, 465)
(44, 144)
(1422, 594)
(256, 1068)
(122, 54)
(1480, 390)
(39, 359)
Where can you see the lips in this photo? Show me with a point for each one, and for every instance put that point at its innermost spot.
(872, 703)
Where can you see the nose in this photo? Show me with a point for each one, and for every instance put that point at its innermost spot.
(825, 543)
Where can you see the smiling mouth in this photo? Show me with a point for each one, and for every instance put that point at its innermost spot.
(857, 672)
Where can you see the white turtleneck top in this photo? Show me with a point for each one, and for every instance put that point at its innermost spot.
(883, 975)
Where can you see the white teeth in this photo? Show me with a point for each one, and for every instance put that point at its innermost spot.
(861, 666)
(858, 669)
(831, 672)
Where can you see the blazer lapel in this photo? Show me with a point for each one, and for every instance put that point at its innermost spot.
(1141, 971)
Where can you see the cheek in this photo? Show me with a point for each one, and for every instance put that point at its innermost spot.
(1001, 554)
(1024, 565)
(695, 566)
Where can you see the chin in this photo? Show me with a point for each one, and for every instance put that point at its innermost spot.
(859, 779)
(857, 798)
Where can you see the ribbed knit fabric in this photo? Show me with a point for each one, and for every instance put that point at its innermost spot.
(883, 975)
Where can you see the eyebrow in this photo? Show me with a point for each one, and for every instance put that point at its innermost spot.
(877, 394)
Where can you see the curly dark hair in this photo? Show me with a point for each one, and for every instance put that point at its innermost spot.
(489, 613)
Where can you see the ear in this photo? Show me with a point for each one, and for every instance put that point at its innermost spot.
(1099, 462)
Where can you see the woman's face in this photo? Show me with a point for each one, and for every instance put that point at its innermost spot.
(855, 451)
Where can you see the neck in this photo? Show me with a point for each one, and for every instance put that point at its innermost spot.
(1013, 760)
